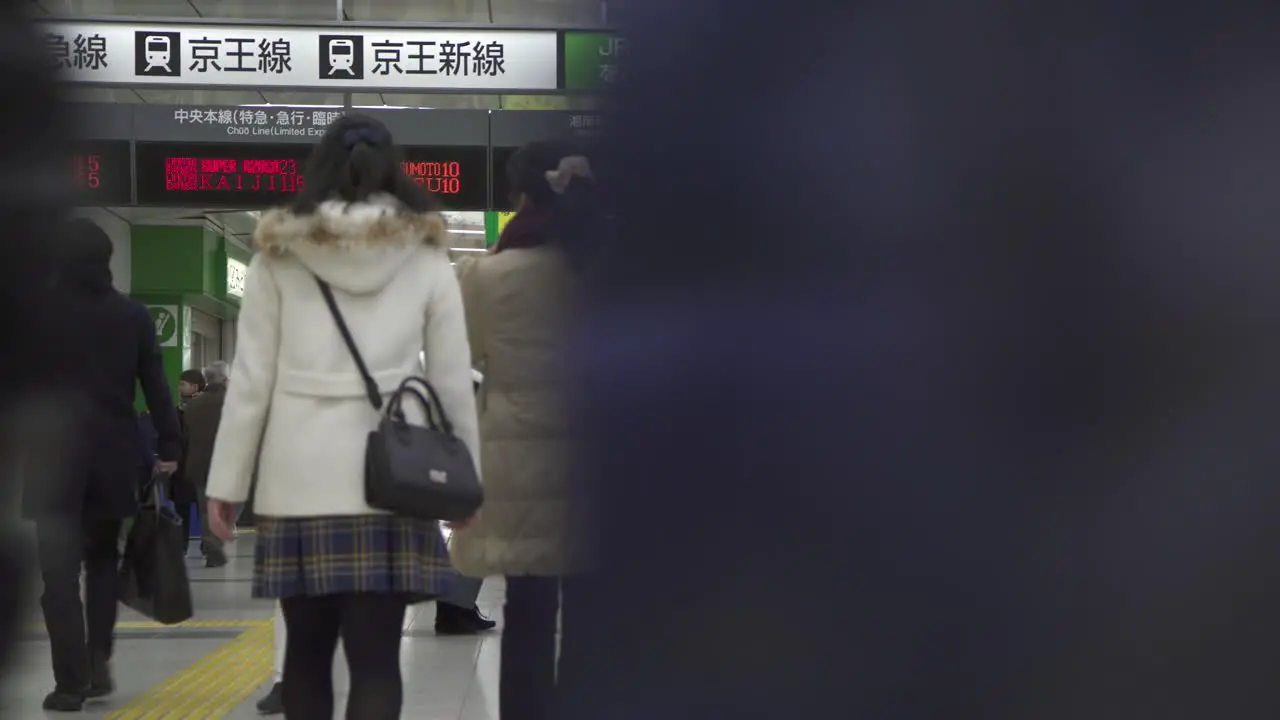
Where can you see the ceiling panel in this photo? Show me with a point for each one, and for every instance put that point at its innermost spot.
(236, 223)
(82, 94)
(409, 10)
(267, 9)
(560, 13)
(417, 100)
(220, 9)
(502, 12)
(158, 216)
(577, 13)
(118, 8)
(200, 97)
(368, 100)
(302, 98)
(455, 102)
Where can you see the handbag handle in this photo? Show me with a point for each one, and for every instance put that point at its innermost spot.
(445, 424)
(431, 406)
(370, 385)
(153, 491)
(395, 409)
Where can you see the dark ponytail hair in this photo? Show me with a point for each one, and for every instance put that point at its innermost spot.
(577, 213)
(355, 160)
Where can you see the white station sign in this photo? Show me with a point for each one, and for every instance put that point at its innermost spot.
(336, 57)
(236, 273)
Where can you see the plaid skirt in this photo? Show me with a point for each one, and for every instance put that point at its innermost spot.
(312, 556)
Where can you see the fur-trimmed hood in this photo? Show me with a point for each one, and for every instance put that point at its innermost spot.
(355, 247)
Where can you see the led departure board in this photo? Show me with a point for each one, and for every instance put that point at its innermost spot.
(459, 176)
(242, 175)
(254, 175)
(100, 172)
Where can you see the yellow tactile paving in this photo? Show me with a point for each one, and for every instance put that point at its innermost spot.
(212, 686)
(151, 625)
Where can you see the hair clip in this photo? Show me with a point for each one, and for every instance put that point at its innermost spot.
(356, 135)
(570, 168)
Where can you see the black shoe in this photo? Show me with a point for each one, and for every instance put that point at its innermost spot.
(101, 684)
(214, 558)
(61, 701)
(272, 703)
(453, 620)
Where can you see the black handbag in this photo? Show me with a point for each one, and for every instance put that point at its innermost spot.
(419, 472)
(153, 571)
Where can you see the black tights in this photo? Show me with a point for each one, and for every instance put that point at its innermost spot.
(370, 627)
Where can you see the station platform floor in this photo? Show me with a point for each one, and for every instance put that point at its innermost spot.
(217, 665)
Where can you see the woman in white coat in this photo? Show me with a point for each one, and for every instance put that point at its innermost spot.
(456, 614)
(299, 411)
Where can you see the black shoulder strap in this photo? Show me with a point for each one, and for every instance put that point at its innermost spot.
(370, 385)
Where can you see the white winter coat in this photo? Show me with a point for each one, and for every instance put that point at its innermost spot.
(296, 407)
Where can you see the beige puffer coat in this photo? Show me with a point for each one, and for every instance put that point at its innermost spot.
(516, 303)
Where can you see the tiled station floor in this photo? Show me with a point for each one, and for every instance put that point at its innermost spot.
(218, 664)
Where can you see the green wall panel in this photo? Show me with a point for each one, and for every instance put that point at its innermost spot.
(168, 260)
(176, 270)
(214, 269)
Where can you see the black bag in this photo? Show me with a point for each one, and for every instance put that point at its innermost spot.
(419, 472)
(153, 573)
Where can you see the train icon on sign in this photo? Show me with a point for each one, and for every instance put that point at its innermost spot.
(157, 54)
(341, 57)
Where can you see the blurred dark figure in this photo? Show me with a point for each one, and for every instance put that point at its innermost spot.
(150, 443)
(181, 491)
(34, 169)
(78, 521)
(978, 348)
(201, 416)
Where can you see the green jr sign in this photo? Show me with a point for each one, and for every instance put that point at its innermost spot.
(591, 60)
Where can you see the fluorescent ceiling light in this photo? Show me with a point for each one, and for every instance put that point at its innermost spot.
(466, 232)
(334, 107)
(469, 249)
(309, 107)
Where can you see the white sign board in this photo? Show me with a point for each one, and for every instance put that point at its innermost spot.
(236, 272)
(328, 58)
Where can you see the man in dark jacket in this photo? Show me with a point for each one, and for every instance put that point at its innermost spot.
(201, 417)
(183, 496)
(79, 520)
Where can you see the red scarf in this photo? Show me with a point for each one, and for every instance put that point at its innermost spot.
(530, 228)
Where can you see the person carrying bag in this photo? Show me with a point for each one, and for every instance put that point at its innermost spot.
(297, 426)
(153, 573)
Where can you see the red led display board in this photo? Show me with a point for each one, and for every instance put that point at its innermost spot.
(253, 175)
(100, 172)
